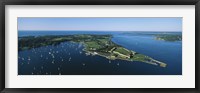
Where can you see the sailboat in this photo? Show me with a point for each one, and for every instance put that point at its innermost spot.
(29, 58)
(83, 64)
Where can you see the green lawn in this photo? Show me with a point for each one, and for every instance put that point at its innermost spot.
(139, 57)
(122, 51)
(92, 44)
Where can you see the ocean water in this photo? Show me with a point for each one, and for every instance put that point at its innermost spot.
(68, 58)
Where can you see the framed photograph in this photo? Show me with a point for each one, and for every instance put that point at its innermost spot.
(94, 45)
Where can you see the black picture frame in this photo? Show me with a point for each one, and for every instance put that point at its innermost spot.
(3, 3)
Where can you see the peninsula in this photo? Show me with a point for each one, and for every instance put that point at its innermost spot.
(101, 45)
(168, 37)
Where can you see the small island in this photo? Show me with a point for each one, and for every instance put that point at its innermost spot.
(101, 45)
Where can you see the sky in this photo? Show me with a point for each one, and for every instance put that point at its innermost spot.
(100, 24)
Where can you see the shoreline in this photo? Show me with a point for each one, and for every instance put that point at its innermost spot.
(155, 62)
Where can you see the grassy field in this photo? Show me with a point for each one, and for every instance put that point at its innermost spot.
(93, 45)
(123, 51)
(139, 57)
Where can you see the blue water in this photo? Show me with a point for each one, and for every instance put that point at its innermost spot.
(69, 59)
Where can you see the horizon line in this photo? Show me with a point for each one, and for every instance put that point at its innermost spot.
(99, 30)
